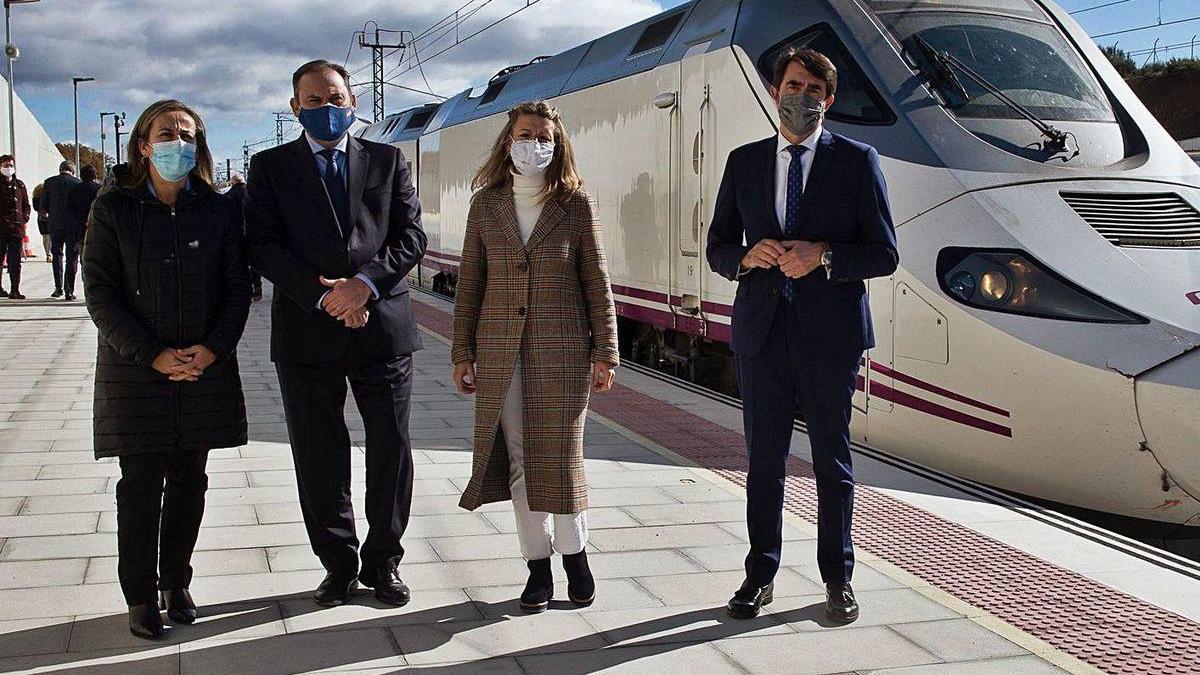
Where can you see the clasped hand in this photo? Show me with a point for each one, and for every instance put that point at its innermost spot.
(184, 365)
(347, 301)
(794, 258)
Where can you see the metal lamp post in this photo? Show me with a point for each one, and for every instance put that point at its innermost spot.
(104, 157)
(118, 122)
(11, 52)
(75, 91)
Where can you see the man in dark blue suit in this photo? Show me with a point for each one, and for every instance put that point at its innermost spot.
(801, 220)
(335, 225)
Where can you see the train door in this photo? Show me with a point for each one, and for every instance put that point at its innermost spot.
(694, 160)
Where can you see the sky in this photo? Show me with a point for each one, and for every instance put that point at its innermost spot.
(232, 59)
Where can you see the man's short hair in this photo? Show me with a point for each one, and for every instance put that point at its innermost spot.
(813, 61)
(315, 66)
(7, 158)
(67, 166)
(236, 179)
(89, 173)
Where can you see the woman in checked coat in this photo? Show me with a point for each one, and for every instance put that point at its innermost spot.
(535, 333)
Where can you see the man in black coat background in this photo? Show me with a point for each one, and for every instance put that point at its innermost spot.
(79, 201)
(333, 222)
(63, 233)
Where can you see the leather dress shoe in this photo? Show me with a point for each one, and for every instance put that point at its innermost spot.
(749, 599)
(15, 295)
(70, 297)
(335, 590)
(145, 621)
(389, 587)
(57, 293)
(840, 605)
(179, 605)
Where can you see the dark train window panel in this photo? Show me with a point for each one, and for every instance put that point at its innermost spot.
(656, 35)
(857, 100)
(418, 120)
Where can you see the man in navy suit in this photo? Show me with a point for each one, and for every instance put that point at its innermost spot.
(801, 220)
(334, 223)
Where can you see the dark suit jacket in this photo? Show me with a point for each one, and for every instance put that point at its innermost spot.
(79, 201)
(844, 204)
(293, 239)
(56, 197)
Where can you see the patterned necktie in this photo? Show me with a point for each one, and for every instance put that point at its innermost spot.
(335, 185)
(791, 219)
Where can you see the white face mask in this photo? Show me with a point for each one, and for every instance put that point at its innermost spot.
(531, 157)
(8, 171)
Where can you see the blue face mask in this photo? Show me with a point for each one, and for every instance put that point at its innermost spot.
(327, 123)
(173, 159)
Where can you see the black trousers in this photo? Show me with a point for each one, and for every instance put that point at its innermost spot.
(160, 501)
(62, 244)
(314, 400)
(11, 249)
(785, 372)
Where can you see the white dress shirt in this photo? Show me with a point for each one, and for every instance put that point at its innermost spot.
(783, 160)
(341, 146)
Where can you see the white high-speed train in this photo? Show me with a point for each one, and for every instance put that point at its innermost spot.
(1041, 332)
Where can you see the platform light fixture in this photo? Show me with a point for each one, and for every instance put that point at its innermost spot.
(11, 52)
(75, 93)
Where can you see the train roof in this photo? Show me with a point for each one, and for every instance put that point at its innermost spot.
(405, 125)
(696, 27)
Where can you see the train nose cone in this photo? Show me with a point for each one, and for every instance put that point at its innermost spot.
(1168, 402)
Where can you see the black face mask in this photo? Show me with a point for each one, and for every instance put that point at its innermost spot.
(801, 113)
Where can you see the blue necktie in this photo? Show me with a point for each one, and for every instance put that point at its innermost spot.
(791, 219)
(335, 185)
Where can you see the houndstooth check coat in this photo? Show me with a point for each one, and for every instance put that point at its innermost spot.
(549, 302)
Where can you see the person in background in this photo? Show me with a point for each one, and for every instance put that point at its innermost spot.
(43, 219)
(14, 214)
(237, 194)
(63, 232)
(165, 283)
(80, 199)
(800, 221)
(535, 333)
(334, 223)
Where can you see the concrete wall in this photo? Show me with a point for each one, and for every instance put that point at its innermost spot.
(37, 158)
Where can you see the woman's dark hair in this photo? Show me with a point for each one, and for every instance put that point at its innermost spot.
(813, 61)
(8, 158)
(139, 169)
(87, 173)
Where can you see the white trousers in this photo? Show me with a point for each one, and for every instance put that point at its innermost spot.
(540, 533)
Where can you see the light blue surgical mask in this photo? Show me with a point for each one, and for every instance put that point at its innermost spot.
(174, 160)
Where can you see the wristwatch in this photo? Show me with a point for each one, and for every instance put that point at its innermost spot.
(827, 262)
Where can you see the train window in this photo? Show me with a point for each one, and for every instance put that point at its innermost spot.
(1030, 61)
(656, 35)
(418, 119)
(857, 102)
(493, 90)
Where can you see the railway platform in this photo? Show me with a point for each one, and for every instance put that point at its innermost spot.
(952, 577)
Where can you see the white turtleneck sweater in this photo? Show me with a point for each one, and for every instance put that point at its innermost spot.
(526, 194)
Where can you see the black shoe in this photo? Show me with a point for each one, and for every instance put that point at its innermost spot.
(179, 605)
(57, 293)
(15, 295)
(70, 297)
(389, 587)
(840, 605)
(539, 589)
(335, 590)
(145, 621)
(749, 599)
(3, 293)
(581, 587)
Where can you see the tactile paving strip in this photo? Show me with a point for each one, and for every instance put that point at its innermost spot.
(1111, 630)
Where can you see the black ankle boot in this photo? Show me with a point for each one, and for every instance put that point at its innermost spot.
(581, 587)
(539, 589)
(145, 621)
(179, 605)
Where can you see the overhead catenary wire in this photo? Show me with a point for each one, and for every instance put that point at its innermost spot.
(1107, 4)
(1146, 27)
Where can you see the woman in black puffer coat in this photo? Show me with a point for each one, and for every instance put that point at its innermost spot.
(167, 285)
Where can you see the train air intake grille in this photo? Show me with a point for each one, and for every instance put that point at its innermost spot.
(1161, 219)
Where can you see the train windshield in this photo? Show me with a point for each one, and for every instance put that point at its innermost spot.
(1030, 61)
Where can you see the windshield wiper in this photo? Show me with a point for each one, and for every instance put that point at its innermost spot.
(947, 63)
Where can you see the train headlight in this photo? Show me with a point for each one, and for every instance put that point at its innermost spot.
(1012, 281)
